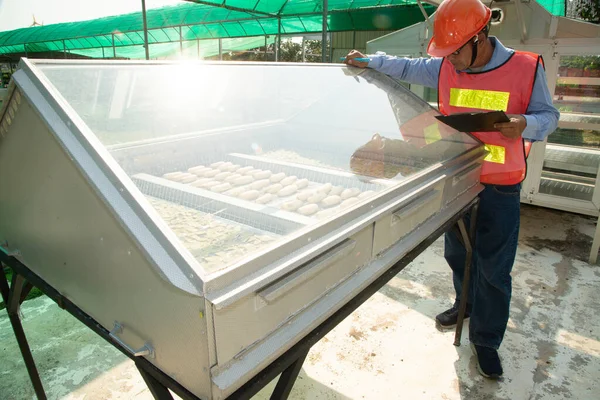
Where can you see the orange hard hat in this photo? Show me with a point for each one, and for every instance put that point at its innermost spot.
(456, 21)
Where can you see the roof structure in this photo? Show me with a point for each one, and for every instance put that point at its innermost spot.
(173, 27)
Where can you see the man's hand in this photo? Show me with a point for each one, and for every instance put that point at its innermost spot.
(350, 59)
(513, 129)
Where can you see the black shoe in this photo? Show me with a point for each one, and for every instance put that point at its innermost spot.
(448, 319)
(488, 362)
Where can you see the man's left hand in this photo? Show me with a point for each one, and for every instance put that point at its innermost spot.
(513, 129)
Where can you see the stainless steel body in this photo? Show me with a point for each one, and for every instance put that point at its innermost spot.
(175, 271)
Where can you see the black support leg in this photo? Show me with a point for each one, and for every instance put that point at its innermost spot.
(12, 299)
(287, 379)
(158, 390)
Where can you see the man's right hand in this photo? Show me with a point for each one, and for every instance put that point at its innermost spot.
(350, 59)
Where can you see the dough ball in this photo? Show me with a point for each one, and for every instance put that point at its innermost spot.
(250, 195)
(274, 188)
(277, 177)
(352, 192)
(221, 188)
(308, 209)
(331, 201)
(292, 205)
(287, 191)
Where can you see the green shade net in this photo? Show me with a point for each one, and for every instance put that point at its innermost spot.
(556, 7)
(168, 26)
(185, 50)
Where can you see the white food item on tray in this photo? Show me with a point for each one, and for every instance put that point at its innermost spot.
(222, 175)
(217, 164)
(262, 174)
(232, 167)
(366, 193)
(201, 172)
(287, 191)
(260, 184)
(210, 184)
(302, 183)
(236, 191)
(305, 195)
(243, 180)
(184, 176)
(211, 174)
(331, 201)
(352, 192)
(308, 209)
(277, 177)
(336, 190)
(265, 198)
(232, 177)
(316, 197)
(243, 170)
(250, 195)
(292, 205)
(225, 166)
(274, 188)
(197, 168)
(325, 188)
(171, 175)
(188, 178)
(289, 180)
(216, 243)
(349, 202)
(200, 182)
(221, 188)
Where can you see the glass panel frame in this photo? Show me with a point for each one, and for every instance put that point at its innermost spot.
(419, 118)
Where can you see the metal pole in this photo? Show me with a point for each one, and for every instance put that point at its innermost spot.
(427, 20)
(198, 49)
(266, 49)
(220, 49)
(145, 30)
(324, 33)
(64, 49)
(114, 50)
(303, 50)
(278, 39)
(180, 42)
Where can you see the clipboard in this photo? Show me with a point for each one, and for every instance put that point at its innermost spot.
(474, 122)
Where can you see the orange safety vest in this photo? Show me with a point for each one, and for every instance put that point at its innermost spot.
(507, 88)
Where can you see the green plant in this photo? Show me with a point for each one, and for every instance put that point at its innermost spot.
(589, 10)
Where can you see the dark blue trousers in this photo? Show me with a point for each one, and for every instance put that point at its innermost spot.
(497, 232)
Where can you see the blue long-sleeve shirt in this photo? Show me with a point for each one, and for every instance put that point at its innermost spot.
(541, 116)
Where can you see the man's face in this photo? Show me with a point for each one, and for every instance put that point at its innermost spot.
(461, 58)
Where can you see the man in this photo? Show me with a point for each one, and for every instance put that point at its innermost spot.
(474, 72)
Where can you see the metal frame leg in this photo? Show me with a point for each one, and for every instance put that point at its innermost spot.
(287, 379)
(13, 297)
(469, 242)
(158, 390)
(595, 244)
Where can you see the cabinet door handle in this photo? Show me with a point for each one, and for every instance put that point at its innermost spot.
(145, 350)
(307, 271)
(415, 205)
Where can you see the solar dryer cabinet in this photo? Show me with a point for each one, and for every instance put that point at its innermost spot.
(170, 227)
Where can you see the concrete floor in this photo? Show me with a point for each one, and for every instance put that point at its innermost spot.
(389, 348)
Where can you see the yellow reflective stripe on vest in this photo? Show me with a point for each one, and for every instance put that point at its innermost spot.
(497, 154)
(432, 134)
(482, 99)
